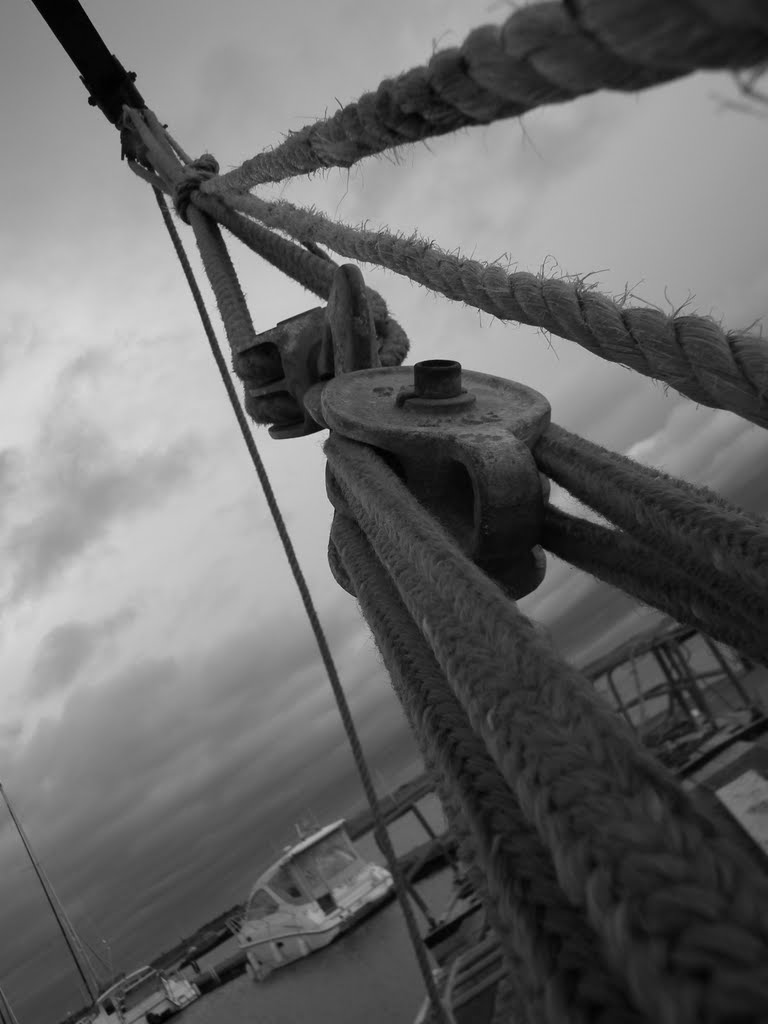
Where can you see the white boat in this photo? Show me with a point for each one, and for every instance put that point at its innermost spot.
(317, 889)
(146, 996)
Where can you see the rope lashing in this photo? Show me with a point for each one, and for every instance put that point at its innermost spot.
(717, 544)
(711, 366)
(542, 53)
(195, 173)
(543, 932)
(679, 909)
(184, 181)
(612, 556)
(307, 268)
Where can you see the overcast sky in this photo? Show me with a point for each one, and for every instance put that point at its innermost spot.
(165, 717)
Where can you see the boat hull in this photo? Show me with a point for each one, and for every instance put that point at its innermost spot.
(267, 955)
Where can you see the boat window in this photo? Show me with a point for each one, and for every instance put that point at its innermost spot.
(260, 905)
(146, 988)
(287, 887)
(327, 860)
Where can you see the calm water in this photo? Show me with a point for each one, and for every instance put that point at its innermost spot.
(369, 976)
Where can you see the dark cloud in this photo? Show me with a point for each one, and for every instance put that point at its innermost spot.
(65, 650)
(85, 484)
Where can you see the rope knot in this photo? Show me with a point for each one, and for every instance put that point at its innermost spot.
(200, 170)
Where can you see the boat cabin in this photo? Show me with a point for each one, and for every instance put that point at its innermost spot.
(308, 873)
(143, 997)
(319, 888)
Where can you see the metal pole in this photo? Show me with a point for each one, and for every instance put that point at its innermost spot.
(58, 913)
(717, 654)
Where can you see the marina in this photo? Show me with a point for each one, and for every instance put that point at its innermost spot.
(587, 839)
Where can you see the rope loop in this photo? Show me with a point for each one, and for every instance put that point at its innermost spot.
(193, 175)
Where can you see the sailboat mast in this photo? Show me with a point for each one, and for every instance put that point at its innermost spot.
(7, 1016)
(61, 920)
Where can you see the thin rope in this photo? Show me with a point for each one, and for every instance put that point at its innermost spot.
(545, 935)
(618, 560)
(151, 179)
(314, 620)
(711, 366)
(716, 544)
(681, 912)
(543, 53)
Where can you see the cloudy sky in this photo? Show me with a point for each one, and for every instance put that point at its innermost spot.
(165, 717)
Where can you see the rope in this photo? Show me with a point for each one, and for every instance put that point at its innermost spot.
(680, 911)
(717, 368)
(543, 934)
(307, 268)
(314, 620)
(712, 543)
(521, 990)
(543, 53)
(616, 559)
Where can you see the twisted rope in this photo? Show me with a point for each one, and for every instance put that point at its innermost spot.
(307, 268)
(617, 559)
(713, 542)
(717, 368)
(542, 933)
(312, 270)
(681, 912)
(543, 53)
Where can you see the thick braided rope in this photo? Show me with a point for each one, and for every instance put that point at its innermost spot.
(543, 53)
(353, 558)
(636, 569)
(682, 914)
(716, 544)
(693, 354)
(543, 933)
(521, 997)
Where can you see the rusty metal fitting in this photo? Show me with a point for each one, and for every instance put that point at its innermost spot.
(306, 350)
(470, 465)
(436, 385)
(278, 371)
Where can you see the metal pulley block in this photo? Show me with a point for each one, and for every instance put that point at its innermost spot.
(462, 445)
(306, 349)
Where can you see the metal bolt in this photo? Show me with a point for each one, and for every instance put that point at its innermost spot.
(437, 378)
(436, 386)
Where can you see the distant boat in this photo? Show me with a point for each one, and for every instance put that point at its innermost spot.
(314, 892)
(147, 996)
